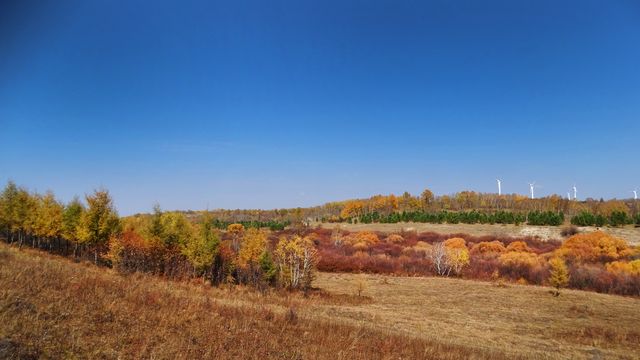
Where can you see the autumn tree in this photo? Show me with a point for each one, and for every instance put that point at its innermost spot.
(202, 249)
(408, 202)
(8, 208)
(254, 245)
(559, 275)
(457, 254)
(438, 256)
(296, 258)
(176, 229)
(155, 228)
(99, 222)
(71, 217)
(449, 256)
(352, 208)
(236, 232)
(48, 219)
(426, 198)
(25, 215)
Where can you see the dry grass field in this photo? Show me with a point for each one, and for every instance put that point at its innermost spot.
(514, 319)
(629, 233)
(53, 308)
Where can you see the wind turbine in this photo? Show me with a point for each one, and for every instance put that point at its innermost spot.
(568, 195)
(499, 186)
(635, 194)
(531, 186)
(575, 192)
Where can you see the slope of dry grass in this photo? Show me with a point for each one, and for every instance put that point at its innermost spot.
(518, 320)
(53, 308)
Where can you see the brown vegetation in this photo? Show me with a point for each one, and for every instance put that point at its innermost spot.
(52, 308)
(590, 258)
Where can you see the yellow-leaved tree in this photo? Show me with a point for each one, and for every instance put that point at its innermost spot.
(253, 245)
(559, 276)
(202, 248)
(296, 259)
(99, 222)
(352, 208)
(457, 254)
(236, 231)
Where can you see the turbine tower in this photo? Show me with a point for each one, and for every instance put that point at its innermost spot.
(575, 192)
(635, 194)
(499, 186)
(531, 185)
(568, 195)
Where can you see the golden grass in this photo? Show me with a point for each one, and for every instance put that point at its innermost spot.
(514, 319)
(53, 308)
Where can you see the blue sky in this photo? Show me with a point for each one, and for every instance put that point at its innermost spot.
(269, 104)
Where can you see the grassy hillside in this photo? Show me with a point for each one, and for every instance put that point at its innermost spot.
(51, 307)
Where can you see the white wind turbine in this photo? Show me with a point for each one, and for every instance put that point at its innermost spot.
(499, 186)
(635, 194)
(531, 186)
(568, 195)
(575, 192)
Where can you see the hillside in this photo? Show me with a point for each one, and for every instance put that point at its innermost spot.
(51, 307)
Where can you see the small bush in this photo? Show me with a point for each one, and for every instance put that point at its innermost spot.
(569, 231)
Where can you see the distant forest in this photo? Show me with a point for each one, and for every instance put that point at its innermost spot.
(464, 207)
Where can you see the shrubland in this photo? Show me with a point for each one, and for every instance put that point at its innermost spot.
(172, 245)
(595, 261)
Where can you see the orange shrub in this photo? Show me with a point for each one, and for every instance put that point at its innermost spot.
(487, 248)
(456, 243)
(519, 246)
(422, 247)
(362, 239)
(622, 268)
(516, 259)
(394, 239)
(594, 246)
(235, 229)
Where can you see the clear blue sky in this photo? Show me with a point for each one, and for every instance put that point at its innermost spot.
(269, 104)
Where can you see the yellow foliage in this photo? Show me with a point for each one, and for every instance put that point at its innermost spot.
(235, 229)
(514, 258)
(608, 207)
(622, 267)
(518, 246)
(253, 245)
(364, 238)
(594, 246)
(488, 247)
(457, 253)
(352, 208)
(559, 276)
(394, 239)
(296, 258)
(456, 243)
